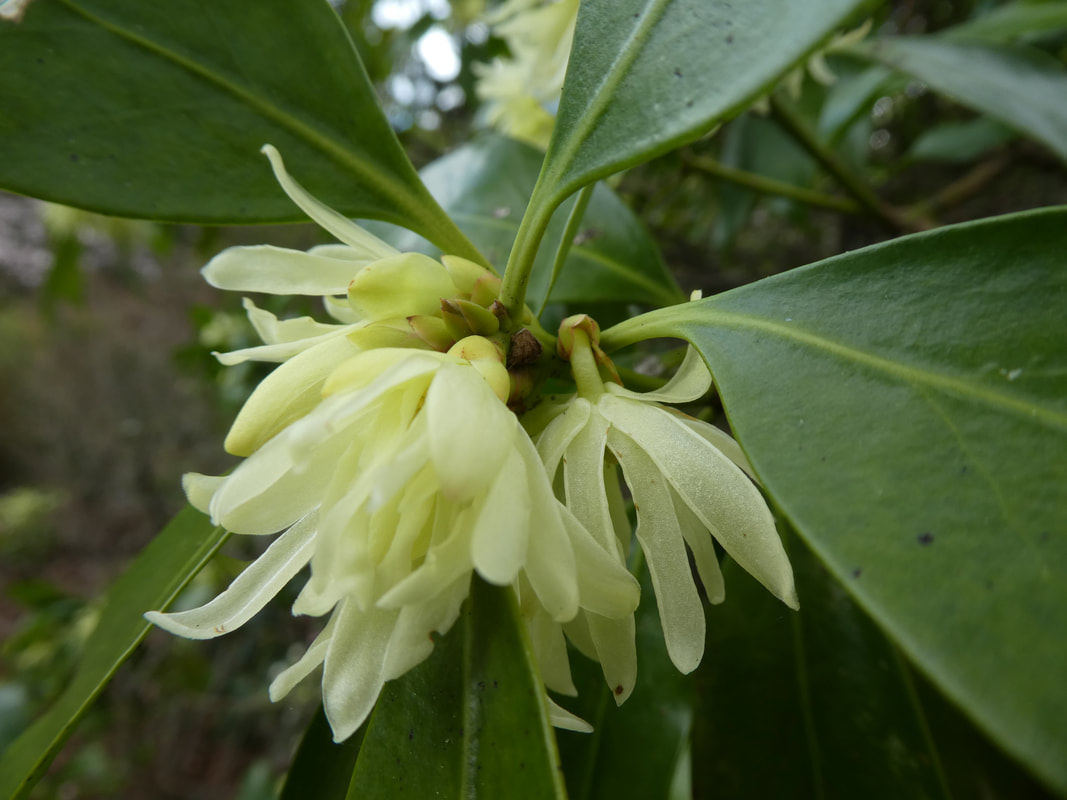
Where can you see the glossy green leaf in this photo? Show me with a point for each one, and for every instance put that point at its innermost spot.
(470, 721)
(906, 407)
(635, 749)
(1020, 86)
(321, 767)
(1019, 20)
(820, 694)
(653, 74)
(158, 110)
(485, 184)
(153, 581)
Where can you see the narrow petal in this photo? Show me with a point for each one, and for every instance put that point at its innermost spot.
(616, 651)
(313, 656)
(680, 611)
(564, 719)
(278, 331)
(341, 227)
(412, 640)
(558, 435)
(277, 270)
(287, 394)
(550, 650)
(724, 442)
(471, 431)
(250, 591)
(501, 530)
(445, 563)
(620, 520)
(720, 494)
(583, 481)
(354, 672)
(691, 382)
(605, 586)
(199, 489)
(699, 539)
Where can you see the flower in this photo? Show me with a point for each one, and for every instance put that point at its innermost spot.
(395, 470)
(689, 484)
(523, 91)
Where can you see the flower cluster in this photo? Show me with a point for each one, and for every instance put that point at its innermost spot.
(384, 451)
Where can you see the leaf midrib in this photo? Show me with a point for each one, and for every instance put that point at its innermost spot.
(365, 170)
(905, 372)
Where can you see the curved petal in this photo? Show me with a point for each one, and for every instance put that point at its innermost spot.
(583, 482)
(560, 432)
(699, 539)
(354, 671)
(720, 494)
(471, 431)
(341, 227)
(501, 530)
(249, 591)
(294, 673)
(616, 650)
(199, 489)
(412, 642)
(279, 331)
(680, 611)
(277, 270)
(605, 586)
(564, 719)
(550, 650)
(721, 440)
(287, 394)
(691, 382)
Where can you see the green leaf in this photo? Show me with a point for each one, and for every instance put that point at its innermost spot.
(634, 749)
(650, 75)
(159, 110)
(959, 142)
(484, 186)
(906, 407)
(820, 694)
(1020, 86)
(470, 721)
(154, 579)
(322, 768)
(1014, 21)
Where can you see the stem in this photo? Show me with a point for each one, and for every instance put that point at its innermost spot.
(637, 329)
(523, 252)
(766, 185)
(567, 239)
(836, 166)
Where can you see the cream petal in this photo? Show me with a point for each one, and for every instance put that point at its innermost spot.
(620, 520)
(583, 481)
(501, 530)
(680, 611)
(279, 331)
(550, 650)
(724, 442)
(354, 671)
(560, 432)
(605, 586)
(313, 656)
(691, 382)
(577, 631)
(616, 651)
(199, 489)
(562, 718)
(277, 270)
(291, 391)
(401, 286)
(720, 494)
(699, 539)
(341, 227)
(550, 565)
(412, 642)
(445, 563)
(471, 431)
(249, 591)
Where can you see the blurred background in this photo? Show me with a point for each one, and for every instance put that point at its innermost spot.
(109, 392)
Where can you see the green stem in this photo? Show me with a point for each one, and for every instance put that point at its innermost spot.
(766, 185)
(636, 329)
(523, 252)
(574, 221)
(836, 166)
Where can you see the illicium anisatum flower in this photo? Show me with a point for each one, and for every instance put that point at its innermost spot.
(688, 482)
(394, 469)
